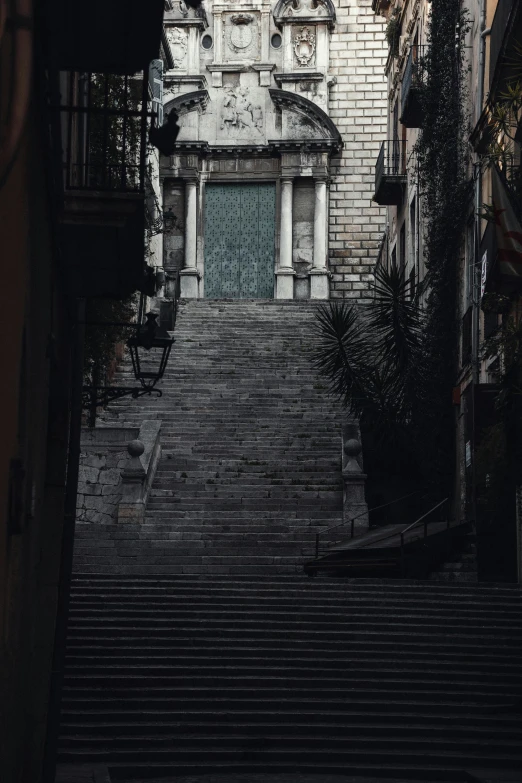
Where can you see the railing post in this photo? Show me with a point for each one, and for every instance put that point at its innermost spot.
(352, 526)
(317, 545)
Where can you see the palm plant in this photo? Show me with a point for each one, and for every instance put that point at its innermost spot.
(371, 356)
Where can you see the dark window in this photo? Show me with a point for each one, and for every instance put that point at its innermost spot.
(490, 323)
(276, 41)
(206, 42)
(467, 328)
(402, 247)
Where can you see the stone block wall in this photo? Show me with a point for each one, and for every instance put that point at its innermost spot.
(102, 460)
(358, 106)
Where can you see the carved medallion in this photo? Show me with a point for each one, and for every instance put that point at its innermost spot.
(241, 32)
(304, 46)
(178, 42)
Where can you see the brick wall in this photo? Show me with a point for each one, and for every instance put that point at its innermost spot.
(358, 106)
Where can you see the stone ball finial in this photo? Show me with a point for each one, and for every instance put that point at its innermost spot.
(135, 448)
(352, 447)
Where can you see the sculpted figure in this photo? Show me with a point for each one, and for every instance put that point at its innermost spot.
(229, 113)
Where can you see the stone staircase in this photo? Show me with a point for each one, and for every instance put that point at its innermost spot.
(251, 443)
(196, 646)
(184, 675)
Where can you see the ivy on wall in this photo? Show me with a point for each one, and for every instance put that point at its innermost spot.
(393, 32)
(102, 336)
(443, 170)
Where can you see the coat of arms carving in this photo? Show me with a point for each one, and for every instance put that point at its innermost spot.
(304, 46)
(178, 46)
(241, 33)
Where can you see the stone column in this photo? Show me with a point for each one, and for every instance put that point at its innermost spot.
(218, 38)
(189, 275)
(193, 50)
(319, 272)
(265, 36)
(285, 272)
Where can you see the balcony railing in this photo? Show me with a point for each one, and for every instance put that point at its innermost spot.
(390, 172)
(411, 86)
(105, 123)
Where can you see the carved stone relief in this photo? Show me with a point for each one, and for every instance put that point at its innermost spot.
(298, 126)
(178, 41)
(304, 46)
(314, 91)
(240, 115)
(242, 36)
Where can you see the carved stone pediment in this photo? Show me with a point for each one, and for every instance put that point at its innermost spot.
(291, 11)
(302, 119)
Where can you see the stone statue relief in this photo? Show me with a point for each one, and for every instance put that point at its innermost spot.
(178, 42)
(304, 46)
(240, 115)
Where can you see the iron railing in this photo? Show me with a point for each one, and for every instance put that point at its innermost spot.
(105, 120)
(391, 161)
(413, 76)
(424, 521)
(351, 522)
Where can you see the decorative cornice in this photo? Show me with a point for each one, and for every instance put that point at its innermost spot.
(175, 78)
(239, 150)
(263, 66)
(227, 67)
(200, 22)
(307, 145)
(299, 76)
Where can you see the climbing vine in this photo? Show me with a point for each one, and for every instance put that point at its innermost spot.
(442, 158)
(393, 32)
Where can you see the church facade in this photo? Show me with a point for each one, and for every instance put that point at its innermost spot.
(282, 111)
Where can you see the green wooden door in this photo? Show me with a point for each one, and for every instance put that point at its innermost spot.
(239, 241)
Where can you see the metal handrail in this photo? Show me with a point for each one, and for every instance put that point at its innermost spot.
(423, 519)
(352, 520)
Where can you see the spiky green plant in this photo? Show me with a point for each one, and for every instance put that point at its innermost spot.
(371, 356)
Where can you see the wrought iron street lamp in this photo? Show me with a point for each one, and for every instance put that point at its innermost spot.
(150, 350)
